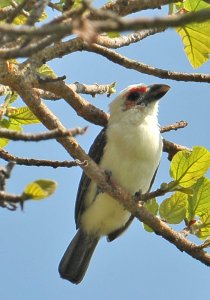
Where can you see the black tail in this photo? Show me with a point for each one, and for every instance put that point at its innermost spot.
(76, 259)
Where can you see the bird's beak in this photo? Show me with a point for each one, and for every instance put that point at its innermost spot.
(155, 92)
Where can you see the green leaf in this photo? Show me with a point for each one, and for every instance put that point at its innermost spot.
(195, 36)
(8, 125)
(46, 71)
(112, 89)
(187, 167)
(19, 20)
(152, 206)
(200, 201)
(203, 226)
(22, 115)
(173, 209)
(43, 16)
(40, 189)
(194, 5)
(76, 3)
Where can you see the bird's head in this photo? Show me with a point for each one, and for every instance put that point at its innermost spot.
(136, 102)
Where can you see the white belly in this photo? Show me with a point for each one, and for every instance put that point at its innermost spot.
(132, 163)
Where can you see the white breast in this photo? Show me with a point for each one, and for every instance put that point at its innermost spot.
(132, 154)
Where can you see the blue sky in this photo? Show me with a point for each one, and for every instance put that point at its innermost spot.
(138, 265)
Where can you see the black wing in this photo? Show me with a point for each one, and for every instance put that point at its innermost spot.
(95, 152)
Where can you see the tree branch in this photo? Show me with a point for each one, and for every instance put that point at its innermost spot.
(143, 68)
(79, 88)
(55, 31)
(170, 21)
(126, 40)
(175, 126)
(123, 8)
(172, 148)
(39, 162)
(29, 137)
(113, 23)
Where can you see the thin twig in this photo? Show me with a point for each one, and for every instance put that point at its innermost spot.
(36, 137)
(39, 162)
(126, 40)
(175, 126)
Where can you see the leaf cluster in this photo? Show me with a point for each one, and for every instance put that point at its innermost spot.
(190, 193)
(195, 36)
(13, 118)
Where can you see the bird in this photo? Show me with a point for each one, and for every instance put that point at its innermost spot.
(129, 149)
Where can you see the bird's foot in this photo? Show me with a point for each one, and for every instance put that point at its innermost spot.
(138, 196)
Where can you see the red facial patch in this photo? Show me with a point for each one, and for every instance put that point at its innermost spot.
(140, 89)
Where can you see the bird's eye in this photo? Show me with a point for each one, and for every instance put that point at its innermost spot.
(133, 96)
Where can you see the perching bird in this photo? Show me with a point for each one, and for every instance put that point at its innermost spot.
(129, 148)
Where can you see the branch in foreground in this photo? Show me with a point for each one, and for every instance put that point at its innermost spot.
(95, 173)
(113, 23)
(55, 32)
(40, 162)
(178, 20)
(29, 137)
(143, 68)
